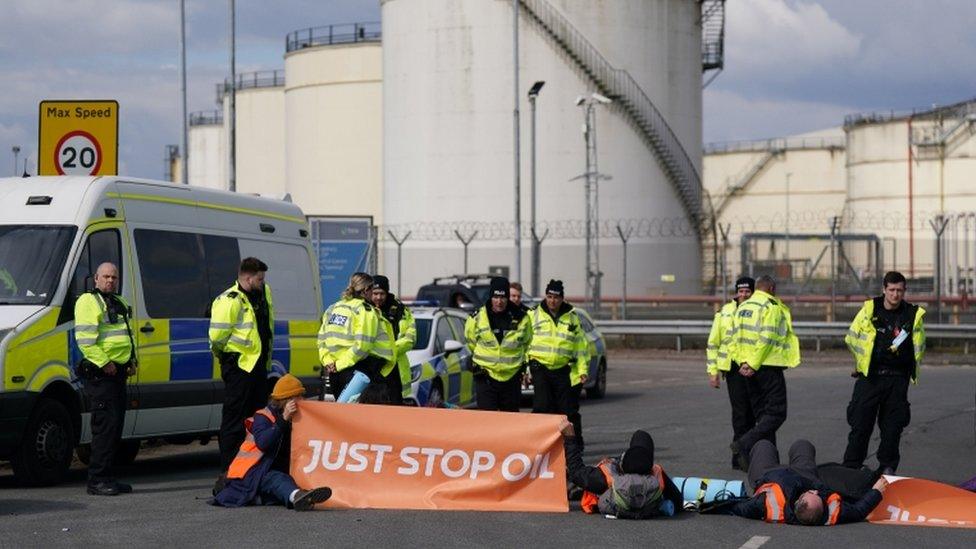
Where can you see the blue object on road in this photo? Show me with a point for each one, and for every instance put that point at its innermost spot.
(698, 491)
(355, 387)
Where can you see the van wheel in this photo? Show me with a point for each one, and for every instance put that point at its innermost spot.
(44, 455)
(599, 390)
(127, 451)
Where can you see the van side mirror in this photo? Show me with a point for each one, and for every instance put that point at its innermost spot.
(452, 346)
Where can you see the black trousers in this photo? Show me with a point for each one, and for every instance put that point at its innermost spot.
(764, 458)
(107, 398)
(743, 417)
(881, 399)
(551, 389)
(244, 394)
(574, 414)
(394, 386)
(502, 396)
(370, 366)
(767, 393)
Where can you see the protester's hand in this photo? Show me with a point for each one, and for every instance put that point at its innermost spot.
(291, 408)
(746, 371)
(566, 428)
(584, 378)
(109, 369)
(881, 485)
(714, 381)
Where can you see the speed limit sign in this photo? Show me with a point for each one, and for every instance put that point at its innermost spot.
(78, 138)
(78, 153)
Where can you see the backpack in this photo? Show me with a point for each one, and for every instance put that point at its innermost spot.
(631, 496)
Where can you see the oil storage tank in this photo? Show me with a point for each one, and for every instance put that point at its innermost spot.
(448, 138)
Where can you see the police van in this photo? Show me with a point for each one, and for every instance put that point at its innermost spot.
(177, 247)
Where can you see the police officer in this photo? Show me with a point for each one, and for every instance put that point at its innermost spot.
(401, 333)
(719, 362)
(887, 339)
(241, 336)
(104, 337)
(764, 345)
(558, 349)
(515, 295)
(349, 334)
(498, 335)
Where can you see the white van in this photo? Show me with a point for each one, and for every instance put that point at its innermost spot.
(177, 247)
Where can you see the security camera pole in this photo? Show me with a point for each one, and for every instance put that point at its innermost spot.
(591, 177)
(536, 241)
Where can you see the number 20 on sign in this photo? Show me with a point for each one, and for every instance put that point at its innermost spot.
(78, 138)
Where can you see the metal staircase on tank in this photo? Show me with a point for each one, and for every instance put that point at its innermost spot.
(712, 23)
(619, 85)
(748, 176)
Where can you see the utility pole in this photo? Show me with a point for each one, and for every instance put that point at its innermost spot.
(624, 237)
(399, 243)
(465, 242)
(232, 111)
(184, 170)
(517, 155)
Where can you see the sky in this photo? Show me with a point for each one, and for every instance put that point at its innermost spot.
(791, 66)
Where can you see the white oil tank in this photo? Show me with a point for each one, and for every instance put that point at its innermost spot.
(207, 166)
(448, 137)
(333, 120)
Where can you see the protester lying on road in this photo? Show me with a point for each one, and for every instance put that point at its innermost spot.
(251, 479)
(795, 493)
(631, 486)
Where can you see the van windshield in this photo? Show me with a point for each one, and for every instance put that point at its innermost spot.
(31, 261)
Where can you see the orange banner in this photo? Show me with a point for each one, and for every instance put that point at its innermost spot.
(396, 457)
(919, 502)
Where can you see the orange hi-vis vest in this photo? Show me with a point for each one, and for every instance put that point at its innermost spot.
(249, 455)
(776, 504)
(590, 502)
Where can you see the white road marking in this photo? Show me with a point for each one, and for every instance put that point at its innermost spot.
(755, 542)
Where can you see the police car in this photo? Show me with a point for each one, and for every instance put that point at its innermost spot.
(596, 385)
(440, 362)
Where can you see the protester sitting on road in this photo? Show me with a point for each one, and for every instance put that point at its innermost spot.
(631, 486)
(795, 493)
(251, 478)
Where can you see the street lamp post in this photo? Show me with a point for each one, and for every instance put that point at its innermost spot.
(536, 260)
(16, 150)
(591, 177)
(232, 110)
(517, 142)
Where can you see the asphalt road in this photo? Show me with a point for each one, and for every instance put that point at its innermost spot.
(662, 392)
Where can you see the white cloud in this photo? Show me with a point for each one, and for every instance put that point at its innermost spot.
(730, 116)
(774, 35)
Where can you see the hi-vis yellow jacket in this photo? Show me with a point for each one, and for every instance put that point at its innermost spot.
(718, 353)
(406, 335)
(764, 333)
(860, 338)
(100, 340)
(349, 333)
(500, 360)
(234, 327)
(556, 344)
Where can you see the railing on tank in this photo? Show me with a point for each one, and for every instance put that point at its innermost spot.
(333, 34)
(207, 118)
(956, 109)
(785, 143)
(250, 80)
(620, 86)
